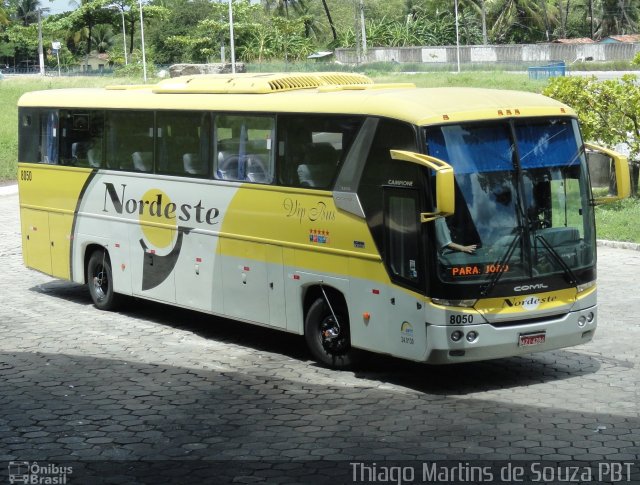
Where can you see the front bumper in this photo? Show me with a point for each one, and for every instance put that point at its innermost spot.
(494, 342)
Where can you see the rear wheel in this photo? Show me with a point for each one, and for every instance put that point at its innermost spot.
(100, 281)
(328, 336)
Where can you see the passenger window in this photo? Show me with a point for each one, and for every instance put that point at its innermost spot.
(49, 137)
(311, 148)
(81, 137)
(129, 140)
(182, 143)
(244, 150)
(28, 149)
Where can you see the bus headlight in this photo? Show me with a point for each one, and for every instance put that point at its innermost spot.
(582, 321)
(590, 317)
(456, 336)
(461, 303)
(472, 336)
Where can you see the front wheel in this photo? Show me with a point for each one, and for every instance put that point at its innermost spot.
(100, 281)
(328, 336)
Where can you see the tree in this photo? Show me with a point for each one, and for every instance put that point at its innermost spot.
(330, 20)
(27, 11)
(609, 111)
(521, 20)
(103, 37)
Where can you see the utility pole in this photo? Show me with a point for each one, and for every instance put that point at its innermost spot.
(364, 31)
(360, 31)
(124, 37)
(233, 51)
(40, 48)
(457, 35)
(144, 57)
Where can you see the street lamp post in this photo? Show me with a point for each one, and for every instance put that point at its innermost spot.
(40, 48)
(233, 52)
(124, 37)
(120, 8)
(144, 57)
(457, 36)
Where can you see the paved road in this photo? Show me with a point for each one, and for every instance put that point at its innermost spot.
(141, 389)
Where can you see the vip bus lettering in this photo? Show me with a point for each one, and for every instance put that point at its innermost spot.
(158, 207)
(321, 213)
(318, 212)
(293, 208)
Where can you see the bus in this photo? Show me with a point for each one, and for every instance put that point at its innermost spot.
(440, 225)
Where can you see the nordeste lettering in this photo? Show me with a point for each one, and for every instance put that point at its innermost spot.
(157, 207)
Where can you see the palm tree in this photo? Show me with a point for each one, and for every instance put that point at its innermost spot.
(333, 27)
(4, 16)
(521, 20)
(103, 37)
(27, 11)
(282, 6)
(87, 15)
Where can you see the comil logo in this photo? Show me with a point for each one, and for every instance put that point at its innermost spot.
(537, 286)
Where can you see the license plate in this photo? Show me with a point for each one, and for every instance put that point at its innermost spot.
(532, 339)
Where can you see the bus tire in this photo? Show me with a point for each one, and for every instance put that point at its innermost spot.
(100, 281)
(330, 344)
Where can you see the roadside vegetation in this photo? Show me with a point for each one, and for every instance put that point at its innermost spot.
(616, 221)
(288, 30)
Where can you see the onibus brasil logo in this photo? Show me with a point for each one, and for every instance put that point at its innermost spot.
(159, 220)
(33, 473)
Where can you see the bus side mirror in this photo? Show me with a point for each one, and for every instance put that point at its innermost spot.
(445, 194)
(609, 170)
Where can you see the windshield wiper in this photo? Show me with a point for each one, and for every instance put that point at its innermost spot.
(573, 280)
(501, 264)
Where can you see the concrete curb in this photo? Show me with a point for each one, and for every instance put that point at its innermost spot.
(619, 244)
(8, 189)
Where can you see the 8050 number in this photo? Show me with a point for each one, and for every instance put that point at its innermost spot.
(460, 319)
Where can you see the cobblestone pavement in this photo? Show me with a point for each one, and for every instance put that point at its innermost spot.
(127, 396)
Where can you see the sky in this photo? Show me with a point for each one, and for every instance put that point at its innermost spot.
(57, 6)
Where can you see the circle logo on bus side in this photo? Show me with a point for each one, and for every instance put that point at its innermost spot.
(158, 224)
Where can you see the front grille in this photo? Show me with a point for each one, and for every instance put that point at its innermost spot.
(526, 321)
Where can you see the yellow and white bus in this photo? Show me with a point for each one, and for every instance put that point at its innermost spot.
(437, 225)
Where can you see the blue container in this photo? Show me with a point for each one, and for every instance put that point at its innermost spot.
(553, 69)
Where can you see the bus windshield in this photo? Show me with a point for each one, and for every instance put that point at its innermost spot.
(522, 202)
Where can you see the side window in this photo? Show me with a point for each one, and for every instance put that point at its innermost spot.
(402, 223)
(182, 143)
(244, 148)
(81, 137)
(311, 148)
(49, 136)
(29, 135)
(129, 140)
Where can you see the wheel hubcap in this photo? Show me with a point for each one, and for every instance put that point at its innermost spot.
(334, 341)
(100, 283)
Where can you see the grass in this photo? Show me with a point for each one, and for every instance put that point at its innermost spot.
(614, 221)
(10, 91)
(618, 221)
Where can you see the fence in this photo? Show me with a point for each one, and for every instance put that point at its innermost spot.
(513, 53)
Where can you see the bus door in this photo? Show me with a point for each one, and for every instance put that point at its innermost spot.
(404, 258)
